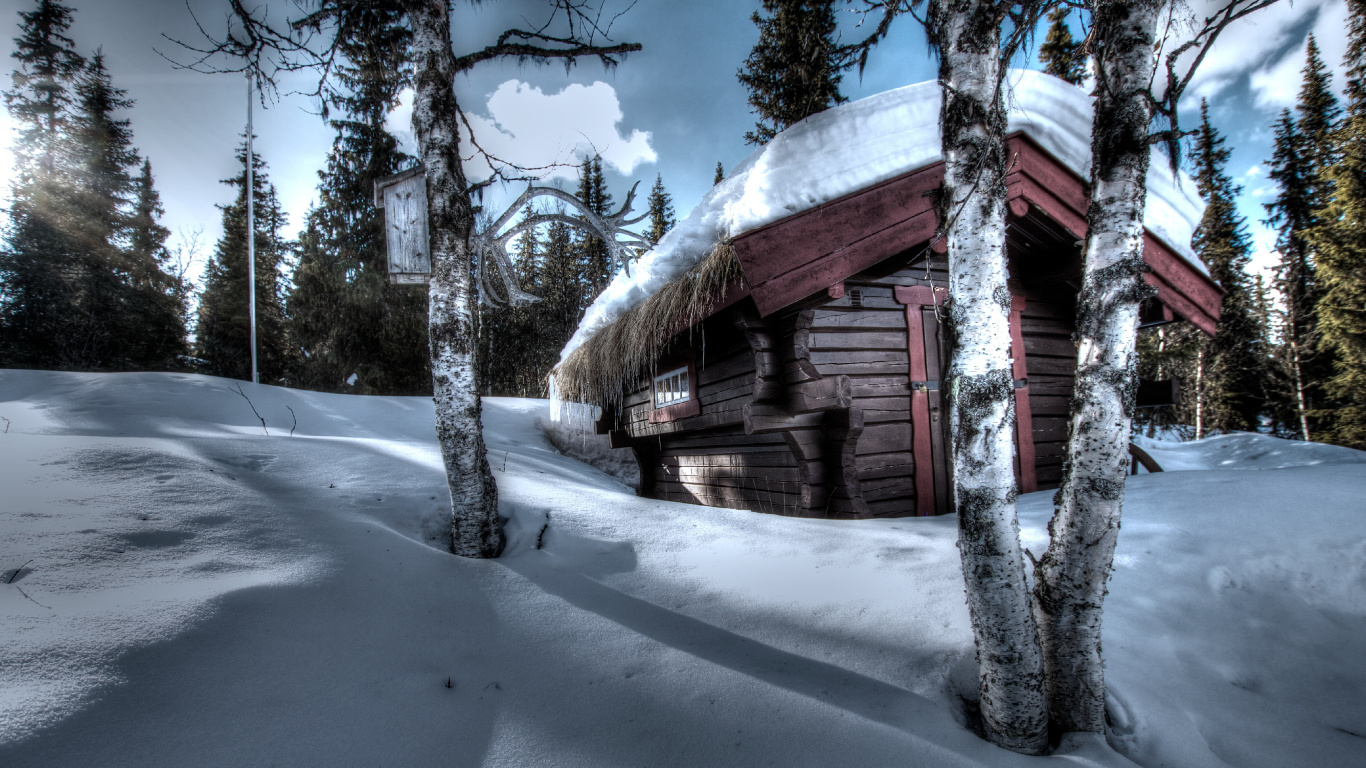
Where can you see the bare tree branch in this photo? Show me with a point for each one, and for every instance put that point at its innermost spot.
(1166, 106)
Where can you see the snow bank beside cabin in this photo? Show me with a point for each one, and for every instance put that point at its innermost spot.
(856, 145)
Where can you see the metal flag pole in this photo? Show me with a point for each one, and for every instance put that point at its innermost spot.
(251, 238)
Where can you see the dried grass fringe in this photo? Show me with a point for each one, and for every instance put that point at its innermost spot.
(623, 354)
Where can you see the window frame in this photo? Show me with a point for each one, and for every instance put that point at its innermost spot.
(681, 409)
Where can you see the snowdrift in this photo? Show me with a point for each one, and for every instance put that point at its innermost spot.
(194, 591)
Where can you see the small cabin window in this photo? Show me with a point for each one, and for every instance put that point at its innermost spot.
(671, 388)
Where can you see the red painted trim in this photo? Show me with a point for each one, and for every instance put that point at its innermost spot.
(1024, 416)
(916, 298)
(802, 255)
(690, 407)
(675, 412)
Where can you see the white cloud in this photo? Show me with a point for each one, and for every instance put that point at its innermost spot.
(1254, 171)
(1277, 84)
(530, 128)
(1244, 45)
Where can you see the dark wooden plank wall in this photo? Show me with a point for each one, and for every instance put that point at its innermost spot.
(863, 335)
(1050, 363)
(708, 459)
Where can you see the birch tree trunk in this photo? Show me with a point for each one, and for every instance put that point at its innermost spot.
(475, 531)
(1070, 579)
(981, 394)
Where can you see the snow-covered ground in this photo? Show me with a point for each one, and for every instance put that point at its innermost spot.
(197, 593)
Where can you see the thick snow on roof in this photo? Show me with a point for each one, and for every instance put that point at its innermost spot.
(856, 145)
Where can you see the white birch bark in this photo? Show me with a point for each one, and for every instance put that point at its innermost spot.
(1070, 580)
(475, 530)
(981, 395)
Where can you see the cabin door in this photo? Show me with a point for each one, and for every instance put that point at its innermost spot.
(929, 356)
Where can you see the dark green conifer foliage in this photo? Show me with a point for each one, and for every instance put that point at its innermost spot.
(517, 357)
(42, 95)
(1061, 55)
(222, 334)
(720, 174)
(1318, 111)
(661, 212)
(1339, 243)
(793, 70)
(40, 277)
(344, 314)
(105, 328)
(1234, 386)
(1303, 150)
(157, 340)
(596, 269)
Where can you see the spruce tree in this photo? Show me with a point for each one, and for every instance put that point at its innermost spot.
(1234, 388)
(596, 269)
(105, 327)
(159, 297)
(223, 331)
(1303, 149)
(1339, 243)
(793, 70)
(344, 314)
(514, 363)
(1061, 55)
(561, 303)
(661, 212)
(720, 174)
(38, 270)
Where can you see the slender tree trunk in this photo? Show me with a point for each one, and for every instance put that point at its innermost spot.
(1300, 407)
(474, 497)
(1070, 580)
(1200, 392)
(981, 394)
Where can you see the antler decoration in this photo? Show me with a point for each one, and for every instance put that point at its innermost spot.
(492, 247)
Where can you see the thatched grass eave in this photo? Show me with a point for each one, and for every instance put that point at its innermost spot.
(621, 356)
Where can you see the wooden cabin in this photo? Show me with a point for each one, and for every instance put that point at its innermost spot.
(810, 383)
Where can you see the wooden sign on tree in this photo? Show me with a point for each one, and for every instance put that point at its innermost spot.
(403, 197)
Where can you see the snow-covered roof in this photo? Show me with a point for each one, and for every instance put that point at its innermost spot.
(862, 143)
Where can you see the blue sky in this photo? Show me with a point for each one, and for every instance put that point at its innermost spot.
(673, 109)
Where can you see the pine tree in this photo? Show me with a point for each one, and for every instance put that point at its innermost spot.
(515, 363)
(39, 278)
(223, 331)
(596, 269)
(1339, 243)
(792, 71)
(661, 212)
(1061, 55)
(720, 174)
(561, 303)
(1235, 388)
(158, 312)
(1303, 150)
(343, 312)
(105, 327)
